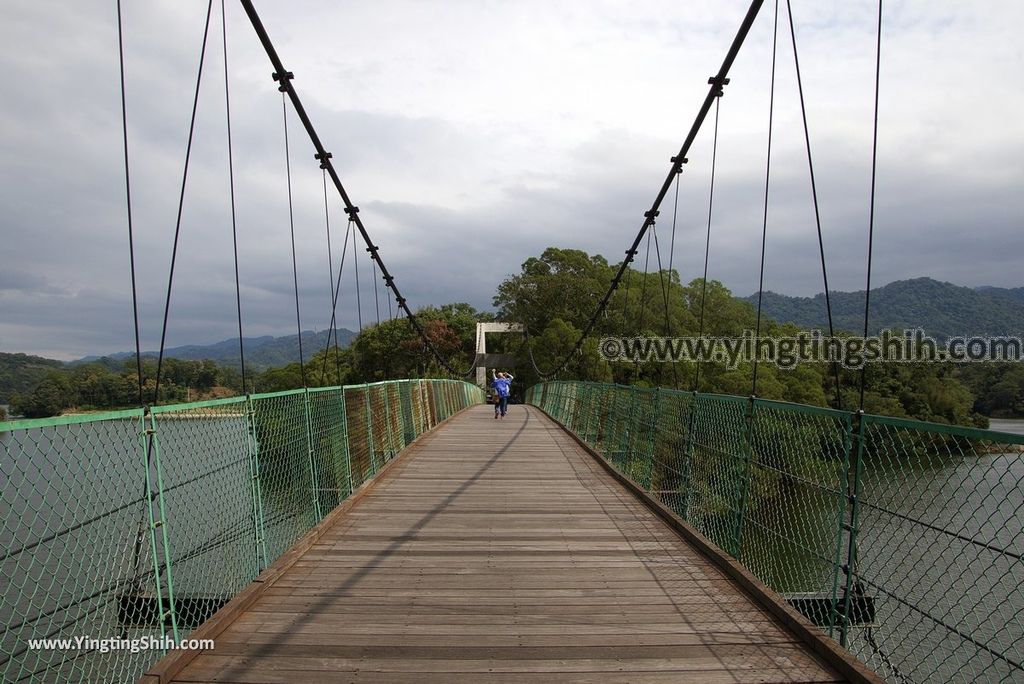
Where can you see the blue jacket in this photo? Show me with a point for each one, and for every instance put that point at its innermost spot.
(501, 385)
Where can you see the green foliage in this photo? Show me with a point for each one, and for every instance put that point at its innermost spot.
(998, 387)
(563, 284)
(555, 295)
(51, 395)
(941, 309)
(395, 350)
(21, 373)
(924, 391)
(95, 386)
(280, 379)
(387, 351)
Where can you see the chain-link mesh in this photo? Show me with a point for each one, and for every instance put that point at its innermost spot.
(213, 532)
(74, 539)
(951, 501)
(900, 539)
(132, 524)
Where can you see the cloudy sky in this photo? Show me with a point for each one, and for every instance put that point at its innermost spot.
(475, 134)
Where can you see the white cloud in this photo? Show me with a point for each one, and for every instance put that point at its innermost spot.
(474, 135)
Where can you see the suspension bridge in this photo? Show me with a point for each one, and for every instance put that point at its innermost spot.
(399, 531)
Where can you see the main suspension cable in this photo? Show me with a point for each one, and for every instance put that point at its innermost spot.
(359, 294)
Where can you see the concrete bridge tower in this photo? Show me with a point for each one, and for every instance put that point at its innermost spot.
(485, 360)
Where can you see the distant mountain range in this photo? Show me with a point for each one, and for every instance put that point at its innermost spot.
(941, 309)
(260, 352)
(21, 373)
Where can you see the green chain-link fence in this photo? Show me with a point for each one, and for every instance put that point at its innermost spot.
(138, 525)
(900, 539)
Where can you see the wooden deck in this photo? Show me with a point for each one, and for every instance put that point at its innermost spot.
(501, 551)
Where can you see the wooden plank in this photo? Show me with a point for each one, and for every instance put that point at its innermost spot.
(779, 662)
(498, 551)
(635, 638)
(361, 677)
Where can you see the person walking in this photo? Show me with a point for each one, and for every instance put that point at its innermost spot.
(501, 383)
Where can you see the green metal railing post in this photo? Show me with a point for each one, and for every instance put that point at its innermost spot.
(387, 421)
(601, 431)
(686, 469)
(421, 403)
(314, 481)
(651, 440)
(408, 417)
(627, 433)
(585, 419)
(346, 453)
(849, 439)
(256, 488)
(853, 485)
(368, 412)
(743, 482)
(158, 521)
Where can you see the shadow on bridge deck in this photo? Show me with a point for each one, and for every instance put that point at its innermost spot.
(500, 551)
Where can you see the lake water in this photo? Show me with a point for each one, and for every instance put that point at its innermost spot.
(1012, 425)
(74, 538)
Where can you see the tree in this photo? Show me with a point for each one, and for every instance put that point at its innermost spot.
(49, 398)
(280, 379)
(562, 283)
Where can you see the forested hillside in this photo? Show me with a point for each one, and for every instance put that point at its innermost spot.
(22, 373)
(941, 309)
